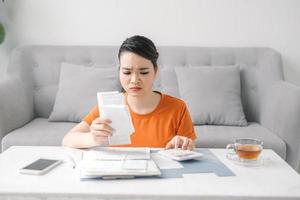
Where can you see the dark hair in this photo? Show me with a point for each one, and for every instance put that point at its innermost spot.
(141, 46)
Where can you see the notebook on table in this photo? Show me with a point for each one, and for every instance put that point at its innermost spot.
(110, 163)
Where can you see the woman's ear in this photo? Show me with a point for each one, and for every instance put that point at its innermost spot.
(157, 71)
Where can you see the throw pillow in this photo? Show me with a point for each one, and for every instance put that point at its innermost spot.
(212, 94)
(77, 90)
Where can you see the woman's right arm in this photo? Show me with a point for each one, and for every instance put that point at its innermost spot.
(85, 136)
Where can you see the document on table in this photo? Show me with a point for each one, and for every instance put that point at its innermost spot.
(112, 106)
(135, 164)
(117, 162)
(108, 168)
(115, 153)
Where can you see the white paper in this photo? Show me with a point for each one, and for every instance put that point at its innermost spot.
(112, 106)
(100, 168)
(91, 166)
(108, 153)
(138, 154)
(103, 165)
(110, 98)
(121, 123)
(135, 164)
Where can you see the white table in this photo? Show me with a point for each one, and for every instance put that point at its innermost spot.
(274, 181)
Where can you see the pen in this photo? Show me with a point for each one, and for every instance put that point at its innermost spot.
(72, 156)
(72, 161)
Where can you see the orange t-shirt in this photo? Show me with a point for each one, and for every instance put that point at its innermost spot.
(155, 129)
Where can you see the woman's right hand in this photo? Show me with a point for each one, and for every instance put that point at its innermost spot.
(101, 130)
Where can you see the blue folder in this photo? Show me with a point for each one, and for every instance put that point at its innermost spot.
(209, 164)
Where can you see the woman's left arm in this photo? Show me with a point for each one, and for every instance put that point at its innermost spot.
(185, 135)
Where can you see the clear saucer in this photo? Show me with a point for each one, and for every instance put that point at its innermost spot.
(261, 161)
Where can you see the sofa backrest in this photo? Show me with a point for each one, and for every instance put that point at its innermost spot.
(39, 69)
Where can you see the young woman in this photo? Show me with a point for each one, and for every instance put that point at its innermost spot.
(159, 120)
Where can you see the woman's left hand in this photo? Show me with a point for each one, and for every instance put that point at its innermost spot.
(180, 142)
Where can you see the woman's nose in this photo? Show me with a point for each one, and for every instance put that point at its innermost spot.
(134, 78)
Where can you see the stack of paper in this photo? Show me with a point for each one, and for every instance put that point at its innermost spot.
(117, 162)
(112, 106)
(114, 153)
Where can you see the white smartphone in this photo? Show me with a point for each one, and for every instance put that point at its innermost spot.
(40, 166)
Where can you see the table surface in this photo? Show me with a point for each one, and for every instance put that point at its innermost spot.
(275, 180)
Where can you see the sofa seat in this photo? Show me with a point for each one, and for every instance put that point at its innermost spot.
(220, 136)
(208, 136)
(37, 132)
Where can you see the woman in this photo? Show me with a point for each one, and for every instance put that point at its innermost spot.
(159, 120)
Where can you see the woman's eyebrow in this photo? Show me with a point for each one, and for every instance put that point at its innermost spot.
(142, 68)
(126, 68)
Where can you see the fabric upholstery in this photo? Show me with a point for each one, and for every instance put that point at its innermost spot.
(77, 90)
(210, 136)
(212, 94)
(207, 135)
(280, 113)
(16, 106)
(39, 67)
(38, 132)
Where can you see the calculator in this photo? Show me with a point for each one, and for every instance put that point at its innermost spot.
(180, 154)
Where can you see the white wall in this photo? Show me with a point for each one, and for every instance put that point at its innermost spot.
(270, 23)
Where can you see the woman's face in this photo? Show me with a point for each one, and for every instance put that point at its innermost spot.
(137, 74)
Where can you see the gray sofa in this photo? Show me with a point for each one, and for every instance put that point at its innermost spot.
(271, 105)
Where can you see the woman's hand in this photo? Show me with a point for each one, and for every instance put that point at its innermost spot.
(101, 130)
(180, 142)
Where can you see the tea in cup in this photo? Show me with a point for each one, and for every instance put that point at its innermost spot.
(246, 149)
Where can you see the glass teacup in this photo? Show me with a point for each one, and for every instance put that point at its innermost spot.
(246, 149)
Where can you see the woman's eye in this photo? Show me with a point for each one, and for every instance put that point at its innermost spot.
(128, 73)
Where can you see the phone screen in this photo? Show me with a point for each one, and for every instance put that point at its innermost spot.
(40, 164)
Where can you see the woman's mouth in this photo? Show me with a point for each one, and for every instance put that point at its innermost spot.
(135, 89)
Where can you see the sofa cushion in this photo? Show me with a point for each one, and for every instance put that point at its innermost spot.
(168, 81)
(209, 136)
(37, 132)
(77, 90)
(212, 94)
